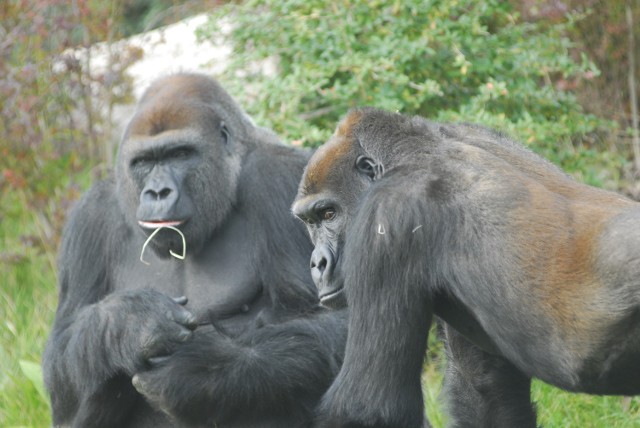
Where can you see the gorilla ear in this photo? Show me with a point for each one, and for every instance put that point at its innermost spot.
(224, 133)
(368, 167)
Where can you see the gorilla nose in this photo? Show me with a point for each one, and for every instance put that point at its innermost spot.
(157, 195)
(321, 265)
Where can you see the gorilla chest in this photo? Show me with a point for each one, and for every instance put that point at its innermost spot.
(220, 281)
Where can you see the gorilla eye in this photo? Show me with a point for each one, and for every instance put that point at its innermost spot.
(140, 161)
(328, 214)
(181, 153)
(224, 132)
(366, 166)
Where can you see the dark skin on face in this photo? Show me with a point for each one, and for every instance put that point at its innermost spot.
(534, 274)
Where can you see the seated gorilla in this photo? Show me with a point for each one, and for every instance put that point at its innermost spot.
(252, 346)
(538, 275)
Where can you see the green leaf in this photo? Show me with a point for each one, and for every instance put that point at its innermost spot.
(33, 372)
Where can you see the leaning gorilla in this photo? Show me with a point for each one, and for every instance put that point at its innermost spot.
(251, 347)
(539, 276)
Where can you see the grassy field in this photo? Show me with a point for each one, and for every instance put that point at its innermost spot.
(27, 304)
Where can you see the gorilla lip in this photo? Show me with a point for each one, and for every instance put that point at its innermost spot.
(159, 223)
(327, 297)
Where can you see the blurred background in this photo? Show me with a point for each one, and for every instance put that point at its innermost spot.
(560, 76)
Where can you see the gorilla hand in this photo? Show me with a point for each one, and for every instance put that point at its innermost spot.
(182, 383)
(145, 325)
(150, 383)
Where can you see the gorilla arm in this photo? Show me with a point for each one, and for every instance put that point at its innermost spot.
(268, 371)
(92, 351)
(383, 264)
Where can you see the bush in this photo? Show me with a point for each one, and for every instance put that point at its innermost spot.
(453, 61)
(54, 112)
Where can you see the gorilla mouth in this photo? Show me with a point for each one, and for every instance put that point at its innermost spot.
(334, 298)
(155, 224)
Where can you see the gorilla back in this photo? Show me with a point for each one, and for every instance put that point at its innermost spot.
(232, 335)
(535, 274)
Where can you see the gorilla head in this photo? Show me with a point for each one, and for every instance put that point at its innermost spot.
(181, 143)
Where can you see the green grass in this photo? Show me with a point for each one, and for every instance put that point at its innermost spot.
(27, 304)
(561, 409)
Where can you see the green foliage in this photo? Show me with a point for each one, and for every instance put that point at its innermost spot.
(54, 119)
(27, 305)
(144, 15)
(33, 372)
(54, 124)
(141, 15)
(561, 409)
(460, 60)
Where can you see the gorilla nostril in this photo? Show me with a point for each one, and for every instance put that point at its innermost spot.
(164, 193)
(158, 196)
(321, 264)
(151, 194)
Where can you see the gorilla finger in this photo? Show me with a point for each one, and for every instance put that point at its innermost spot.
(182, 300)
(185, 335)
(179, 334)
(138, 383)
(158, 361)
(173, 333)
(166, 344)
(185, 318)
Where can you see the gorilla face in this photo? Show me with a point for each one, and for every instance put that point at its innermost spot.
(333, 183)
(172, 152)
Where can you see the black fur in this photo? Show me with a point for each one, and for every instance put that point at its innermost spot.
(252, 347)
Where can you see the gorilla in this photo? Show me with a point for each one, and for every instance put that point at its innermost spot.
(232, 335)
(534, 274)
